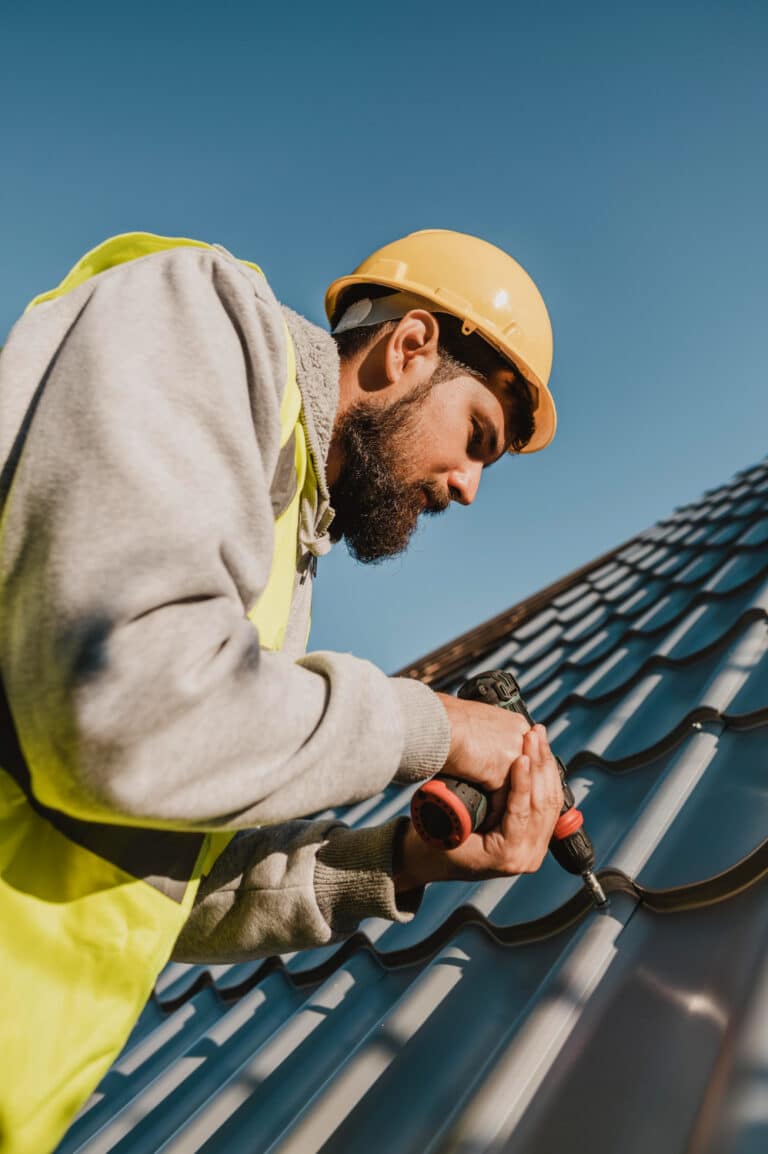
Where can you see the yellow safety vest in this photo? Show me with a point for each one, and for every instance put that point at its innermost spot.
(89, 913)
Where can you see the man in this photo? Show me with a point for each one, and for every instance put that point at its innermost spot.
(177, 451)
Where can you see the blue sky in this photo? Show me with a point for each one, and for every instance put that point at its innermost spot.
(617, 150)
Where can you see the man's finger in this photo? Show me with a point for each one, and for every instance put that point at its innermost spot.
(518, 808)
(541, 761)
(555, 788)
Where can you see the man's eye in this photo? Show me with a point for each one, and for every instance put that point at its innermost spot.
(476, 439)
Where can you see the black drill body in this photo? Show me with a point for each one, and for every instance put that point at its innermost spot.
(573, 851)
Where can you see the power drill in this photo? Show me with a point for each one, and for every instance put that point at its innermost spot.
(445, 810)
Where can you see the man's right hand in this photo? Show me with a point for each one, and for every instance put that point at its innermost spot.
(485, 741)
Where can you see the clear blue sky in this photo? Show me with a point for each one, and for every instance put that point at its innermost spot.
(617, 150)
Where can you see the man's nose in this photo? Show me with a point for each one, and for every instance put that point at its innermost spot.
(464, 482)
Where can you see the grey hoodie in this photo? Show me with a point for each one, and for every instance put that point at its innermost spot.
(139, 436)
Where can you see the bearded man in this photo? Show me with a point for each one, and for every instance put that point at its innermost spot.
(178, 450)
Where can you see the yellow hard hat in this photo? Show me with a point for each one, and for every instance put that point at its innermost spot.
(483, 286)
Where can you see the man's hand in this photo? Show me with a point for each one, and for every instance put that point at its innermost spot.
(485, 741)
(517, 843)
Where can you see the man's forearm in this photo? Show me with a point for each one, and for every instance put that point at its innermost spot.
(292, 887)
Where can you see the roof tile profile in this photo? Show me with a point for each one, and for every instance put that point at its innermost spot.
(512, 1016)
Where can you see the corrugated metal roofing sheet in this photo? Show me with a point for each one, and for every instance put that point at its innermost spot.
(477, 1028)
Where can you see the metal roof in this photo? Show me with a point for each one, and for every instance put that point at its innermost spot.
(510, 1015)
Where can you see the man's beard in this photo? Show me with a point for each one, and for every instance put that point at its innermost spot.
(376, 508)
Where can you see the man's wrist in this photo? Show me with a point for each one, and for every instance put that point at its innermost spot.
(353, 877)
(455, 710)
(415, 864)
(401, 877)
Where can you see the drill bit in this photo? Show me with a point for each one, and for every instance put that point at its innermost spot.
(594, 887)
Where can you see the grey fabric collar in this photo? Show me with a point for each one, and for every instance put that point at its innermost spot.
(317, 375)
(317, 371)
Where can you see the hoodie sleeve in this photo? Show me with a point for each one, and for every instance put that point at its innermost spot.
(137, 532)
(294, 887)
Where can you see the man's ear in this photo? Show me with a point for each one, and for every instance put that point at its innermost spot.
(412, 349)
